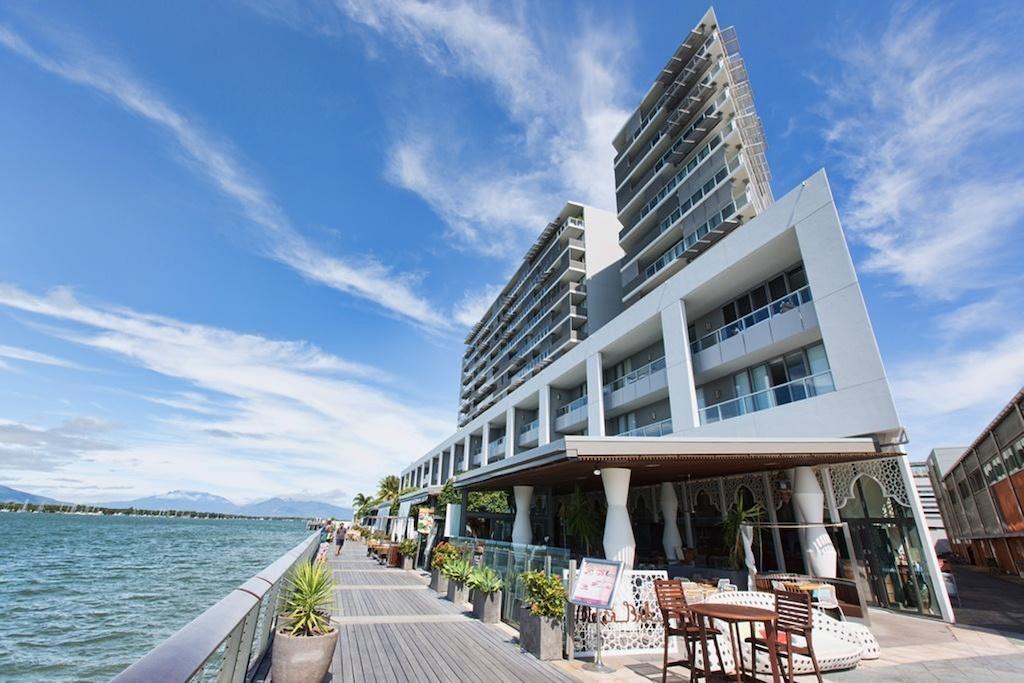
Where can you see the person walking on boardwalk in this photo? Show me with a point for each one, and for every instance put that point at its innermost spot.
(339, 539)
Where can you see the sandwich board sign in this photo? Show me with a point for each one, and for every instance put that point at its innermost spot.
(595, 583)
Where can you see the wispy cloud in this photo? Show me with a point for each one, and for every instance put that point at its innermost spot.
(295, 414)
(15, 353)
(364, 277)
(561, 91)
(36, 448)
(926, 121)
(473, 305)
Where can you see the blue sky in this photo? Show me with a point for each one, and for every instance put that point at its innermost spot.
(240, 243)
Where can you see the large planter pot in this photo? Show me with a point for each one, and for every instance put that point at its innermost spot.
(540, 636)
(301, 659)
(394, 557)
(458, 592)
(438, 581)
(487, 606)
(407, 563)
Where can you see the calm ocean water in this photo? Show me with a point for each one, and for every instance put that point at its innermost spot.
(82, 597)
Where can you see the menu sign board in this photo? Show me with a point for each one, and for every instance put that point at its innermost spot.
(595, 583)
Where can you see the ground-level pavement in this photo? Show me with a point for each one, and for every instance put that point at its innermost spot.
(989, 600)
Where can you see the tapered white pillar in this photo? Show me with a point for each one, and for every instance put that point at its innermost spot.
(619, 543)
(521, 532)
(809, 507)
(670, 538)
(682, 395)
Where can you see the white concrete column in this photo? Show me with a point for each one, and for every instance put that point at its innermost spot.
(510, 432)
(809, 507)
(465, 452)
(451, 462)
(670, 538)
(682, 395)
(619, 543)
(595, 396)
(485, 444)
(522, 534)
(544, 415)
(687, 521)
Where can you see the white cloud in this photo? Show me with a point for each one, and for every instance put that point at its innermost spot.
(365, 278)
(925, 121)
(255, 415)
(37, 448)
(562, 91)
(30, 356)
(474, 304)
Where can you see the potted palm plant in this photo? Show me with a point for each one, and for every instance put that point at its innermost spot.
(305, 640)
(408, 550)
(542, 614)
(458, 570)
(485, 586)
(441, 554)
(736, 518)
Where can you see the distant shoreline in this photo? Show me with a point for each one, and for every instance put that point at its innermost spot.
(99, 510)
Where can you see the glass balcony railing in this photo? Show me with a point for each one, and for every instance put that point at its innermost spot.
(680, 247)
(663, 428)
(790, 392)
(496, 446)
(569, 407)
(636, 375)
(528, 426)
(780, 305)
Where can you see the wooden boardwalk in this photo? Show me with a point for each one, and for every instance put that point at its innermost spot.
(394, 628)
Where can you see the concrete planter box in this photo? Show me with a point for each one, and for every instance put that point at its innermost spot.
(301, 659)
(458, 592)
(540, 636)
(407, 563)
(487, 606)
(438, 581)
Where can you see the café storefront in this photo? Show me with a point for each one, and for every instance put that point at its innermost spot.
(833, 508)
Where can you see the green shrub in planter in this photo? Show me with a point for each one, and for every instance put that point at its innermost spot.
(485, 585)
(458, 571)
(485, 580)
(544, 594)
(407, 547)
(305, 641)
(540, 620)
(442, 553)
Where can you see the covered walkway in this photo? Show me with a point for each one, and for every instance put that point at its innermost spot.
(393, 628)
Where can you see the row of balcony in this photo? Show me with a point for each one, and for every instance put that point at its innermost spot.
(796, 390)
(722, 222)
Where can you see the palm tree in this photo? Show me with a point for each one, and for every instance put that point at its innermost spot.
(361, 502)
(388, 488)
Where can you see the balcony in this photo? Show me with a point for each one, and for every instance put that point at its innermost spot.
(572, 416)
(790, 392)
(775, 322)
(496, 447)
(724, 221)
(636, 386)
(663, 428)
(529, 434)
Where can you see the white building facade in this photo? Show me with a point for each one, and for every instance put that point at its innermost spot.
(735, 362)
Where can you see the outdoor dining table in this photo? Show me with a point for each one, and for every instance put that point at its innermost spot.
(734, 615)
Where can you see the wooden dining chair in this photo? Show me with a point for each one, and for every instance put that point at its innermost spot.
(673, 606)
(795, 618)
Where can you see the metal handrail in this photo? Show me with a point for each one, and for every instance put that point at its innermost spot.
(794, 390)
(233, 635)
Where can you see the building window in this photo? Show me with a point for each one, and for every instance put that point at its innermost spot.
(793, 377)
(975, 480)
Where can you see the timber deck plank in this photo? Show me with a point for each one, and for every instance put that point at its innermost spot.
(415, 635)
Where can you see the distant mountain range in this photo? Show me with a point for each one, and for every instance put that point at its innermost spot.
(199, 501)
(9, 495)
